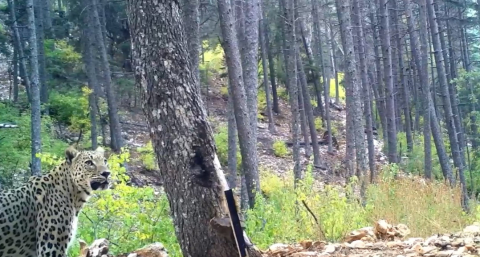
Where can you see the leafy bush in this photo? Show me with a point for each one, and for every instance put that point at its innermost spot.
(62, 62)
(71, 109)
(213, 58)
(15, 145)
(318, 123)
(147, 156)
(282, 218)
(280, 149)
(261, 103)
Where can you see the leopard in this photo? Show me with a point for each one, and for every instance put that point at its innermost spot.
(39, 218)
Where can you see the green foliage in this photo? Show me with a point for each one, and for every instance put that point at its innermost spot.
(63, 63)
(15, 145)
(71, 109)
(261, 103)
(224, 90)
(278, 218)
(212, 59)
(318, 123)
(282, 93)
(147, 156)
(413, 163)
(426, 207)
(129, 217)
(280, 149)
(221, 142)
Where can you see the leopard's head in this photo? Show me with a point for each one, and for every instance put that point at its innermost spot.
(89, 168)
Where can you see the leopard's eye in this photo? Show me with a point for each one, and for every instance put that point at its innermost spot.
(89, 162)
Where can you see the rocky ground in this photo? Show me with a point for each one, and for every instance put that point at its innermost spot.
(382, 239)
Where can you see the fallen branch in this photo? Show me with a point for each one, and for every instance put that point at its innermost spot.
(315, 218)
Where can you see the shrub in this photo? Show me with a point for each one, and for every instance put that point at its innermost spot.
(213, 58)
(15, 145)
(281, 217)
(71, 109)
(62, 62)
(280, 149)
(261, 103)
(147, 156)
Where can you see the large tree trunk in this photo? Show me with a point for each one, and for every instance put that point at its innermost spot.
(36, 126)
(179, 127)
(235, 73)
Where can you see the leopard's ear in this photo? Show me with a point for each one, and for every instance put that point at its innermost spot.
(70, 153)
(100, 150)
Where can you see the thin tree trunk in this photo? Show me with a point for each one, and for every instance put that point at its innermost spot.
(420, 57)
(191, 17)
(447, 107)
(379, 87)
(388, 77)
(36, 126)
(356, 14)
(271, 64)
(291, 67)
(88, 51)
(115, 128)
(42, 69)
(309, 113)
(353, 85)
(235, 73)
(262, 29)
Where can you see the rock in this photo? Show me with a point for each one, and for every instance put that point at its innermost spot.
(152, 250)
(329, 249)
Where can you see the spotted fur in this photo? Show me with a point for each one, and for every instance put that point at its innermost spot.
(39, 218)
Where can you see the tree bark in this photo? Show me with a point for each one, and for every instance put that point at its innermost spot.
(388, 79)
(291, 68)
(447, 106)
(235, 73)
(115, 128)
(42, 69)
(88, 53)
(262, 29)
(422, 65)
(271, 64)
(307, 105)
(356, 14)
(36, 167)
(353, 85)
(19, 47)
(179, 128)
(191, 17)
